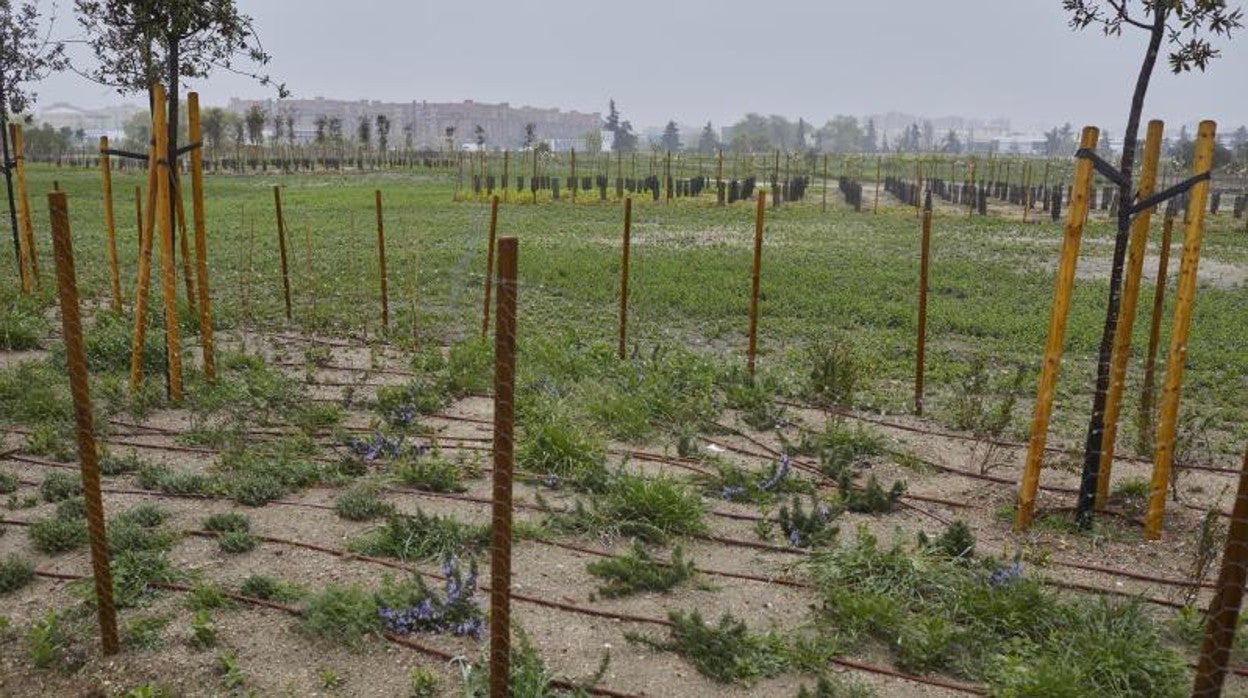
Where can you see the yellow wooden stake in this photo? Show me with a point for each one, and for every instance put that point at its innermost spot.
(201, 243)
(168, 276)
(756, 276)
(381, 262)
(1126, 313)
(110, 227)
(26, 234)
(1072, 237)
(1184, 299)
(144, 275)
(184, 247)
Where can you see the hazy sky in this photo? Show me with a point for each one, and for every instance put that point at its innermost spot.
(694, 60)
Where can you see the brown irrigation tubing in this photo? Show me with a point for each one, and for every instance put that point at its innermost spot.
(968, 437)
(389, 636)
(534, 507)
(849, 663)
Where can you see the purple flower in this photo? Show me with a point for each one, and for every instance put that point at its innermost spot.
(551, 481)
(795, 538)
(730, 493)
(1005, 575)
(777, 475)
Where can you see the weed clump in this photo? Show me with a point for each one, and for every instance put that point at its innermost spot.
(651, 509)
(58, 486)
(833, 374)
(228, 522)
(361, 503)
(808, 529)
(726, 652)
(421, 537)
(872, 498)
(269, 589)
(638, 571)
(57, 534)
(341, 614)
(987, 621)
(15, 573)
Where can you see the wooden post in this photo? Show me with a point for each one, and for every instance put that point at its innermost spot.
(758, 261)
(504, 422)
(1026, 190)
(138, 212)
(1147, 184)
(381, 262)
(489, 267)
(719, 175)
(1076, 215)
(26, 233)
(1185, 297)
(176, 193)
(76, 362)
(169, 274)
(144, 273)
(506, 175)
(281, 244)
(824, 204)
(624, 252)
(573, 184)
(198, 215)
(667, 178)
(875, 207)
(1154, 328)
(110, 227)
(1223, 615)
(533, 184)
(921, 339)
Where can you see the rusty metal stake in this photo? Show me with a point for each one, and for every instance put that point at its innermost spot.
(504, 422)
(1223, 616)
(76, 361)
(628, 232)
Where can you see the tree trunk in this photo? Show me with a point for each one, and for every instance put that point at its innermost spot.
(172, 66)
(1096, 425)
(8, 174)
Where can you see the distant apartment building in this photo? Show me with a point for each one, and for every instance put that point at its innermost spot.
(425, 124)
(105, 121)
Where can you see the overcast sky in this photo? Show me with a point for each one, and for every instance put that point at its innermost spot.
(694, 60)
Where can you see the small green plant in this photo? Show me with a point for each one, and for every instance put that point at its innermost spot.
(15, 573)
(127, 535)
(236, 542)
(840, 448)
(143, 515)
(431, 473)
(135, 574)
(120, 465)
(561, 452)
(362, 503)
(60, 485)
(206, 596)
(269, 589)
(836, 687)
(422, 682)
(956, 543)
(726, 652)
(8, 482)
(637, 571)
(145, 632)
(50, 440)
(1130, 495)
(328, 678)
(57, 534)
(47, 640)
(203, 630)
(421, 536)
(229, 522)
(231, 671)
(341, 614)
(72, 508)
(871, 499)
(808, 529)
(150, 690)
(833, 374)
(651, 509)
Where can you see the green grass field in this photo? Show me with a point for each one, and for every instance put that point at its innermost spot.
(838, 275)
